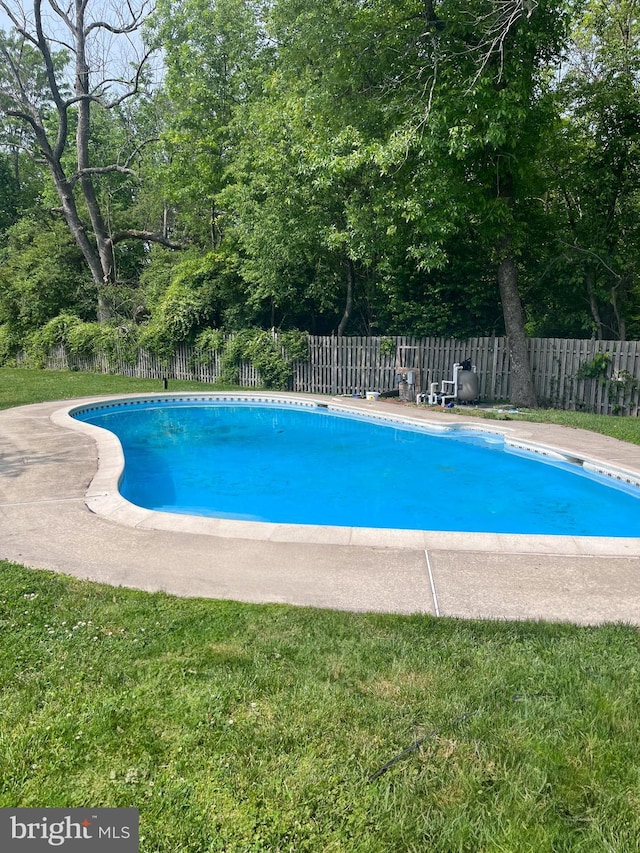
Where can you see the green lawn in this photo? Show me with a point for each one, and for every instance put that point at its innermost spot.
(246, 728)
(625, 428)
(257, 728)
(20, 386)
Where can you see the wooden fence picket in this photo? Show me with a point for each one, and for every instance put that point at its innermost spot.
(347, 366)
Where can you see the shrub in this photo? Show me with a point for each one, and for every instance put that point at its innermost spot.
(116, 341)
(296, 344)
(261, 349)
(597, 368)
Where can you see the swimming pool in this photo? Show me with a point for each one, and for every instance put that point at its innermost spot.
(312, 465)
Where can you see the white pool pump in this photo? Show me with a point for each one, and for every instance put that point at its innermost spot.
(464, 386)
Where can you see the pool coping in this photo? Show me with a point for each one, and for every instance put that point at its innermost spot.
(103, 498)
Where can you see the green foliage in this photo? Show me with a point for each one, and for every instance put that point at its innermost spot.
(8, 346)
(272, 358)
(359, 161)
(185, 296)
(212, 340)
(9, 198)
(157, 276)
(54, 333)
(596, 368)
(190, 292)
(621, 386)
(214, 53)
(295, 344)
(85, 339)
(183, 309)
(260, 348)
(592, 168)
(622, 390)
(157, 339)
(387, 346)
(625, 381)
(41, 276)
(118, 342)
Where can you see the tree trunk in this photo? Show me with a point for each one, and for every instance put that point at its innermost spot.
(617, 313)
(78, 231)
(348, 307)
(522, 388)
(83, 132)
(593, 302)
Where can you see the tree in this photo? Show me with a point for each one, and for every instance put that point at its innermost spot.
(216, 57)
(402, 129)
(481, 114)
(594, 164)
(59, 66)
(42, 274)
(309, 202)
(9, 198)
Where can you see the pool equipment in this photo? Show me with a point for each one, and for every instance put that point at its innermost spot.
(464, 386)
(408, 373)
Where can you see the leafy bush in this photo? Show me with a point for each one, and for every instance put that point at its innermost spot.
(272, 358)
(387, 346)
(157, 339)
(8, 345)
(117, 341)
(621, 384)
(597, 368)
(189, 295)
(208, 341)
(259, 348)
(54, 333)
(84, 339)
(42, 275)
(295, 343)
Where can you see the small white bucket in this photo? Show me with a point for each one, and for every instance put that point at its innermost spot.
(372, 395)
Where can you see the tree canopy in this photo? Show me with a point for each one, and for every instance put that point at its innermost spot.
(428, 167)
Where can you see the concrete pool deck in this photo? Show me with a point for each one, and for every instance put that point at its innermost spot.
(60, 510)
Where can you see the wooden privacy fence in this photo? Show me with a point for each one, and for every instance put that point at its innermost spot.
(354, 365)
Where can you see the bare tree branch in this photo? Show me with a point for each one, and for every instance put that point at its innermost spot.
(576, 248)
(149, 236)
(500, 21)
(135, 20)
(98, 94)
(61, 14)
(20, 24)
(100, 170)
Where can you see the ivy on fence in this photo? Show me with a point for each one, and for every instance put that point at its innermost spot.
(597, 376)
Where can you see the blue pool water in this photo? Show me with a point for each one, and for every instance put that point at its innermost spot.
(300, 465)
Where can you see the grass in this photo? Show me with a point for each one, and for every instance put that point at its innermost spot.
(236, 727)
(254, 728)
(21, 386)
(623, 427)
